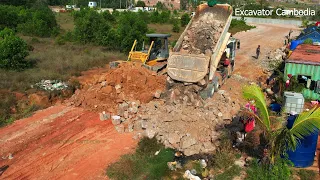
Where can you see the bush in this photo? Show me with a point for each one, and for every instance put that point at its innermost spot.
(8, 101)
(176, 27)
(239, 25)
(9, 17)
(141, 4)
(308, 41)
(185, 18)
(130, 28)
(13, 50)
(280, 170)
(39, 22)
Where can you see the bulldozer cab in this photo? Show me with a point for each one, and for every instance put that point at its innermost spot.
(160, 49)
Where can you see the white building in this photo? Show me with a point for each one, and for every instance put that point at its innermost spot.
(92, 4)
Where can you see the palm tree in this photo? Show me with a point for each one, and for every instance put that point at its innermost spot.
(280, 138)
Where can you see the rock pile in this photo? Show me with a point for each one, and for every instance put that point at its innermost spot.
(128, 82)
(203, 35)
(189, 129)
(51, 85)
(273, 58)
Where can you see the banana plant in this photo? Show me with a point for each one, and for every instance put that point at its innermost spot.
(281, 138)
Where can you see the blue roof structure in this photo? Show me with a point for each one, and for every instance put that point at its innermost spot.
(312, 32)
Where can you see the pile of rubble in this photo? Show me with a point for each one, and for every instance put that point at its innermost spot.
(51, 85)
(203, 35)
(189, 129)
(273, 58)
(128, 82)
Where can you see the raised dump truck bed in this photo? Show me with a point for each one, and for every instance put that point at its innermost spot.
(201, 45)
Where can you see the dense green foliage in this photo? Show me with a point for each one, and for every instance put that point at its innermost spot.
(176, 27)
(140, 4)
(38, 20)
(143, 164)
(279, 170)
(280, 138)
(185, 18)
(13, 50)
(116, 32)
(308, 41)
(239, 25)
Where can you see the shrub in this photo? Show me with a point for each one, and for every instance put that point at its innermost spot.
(130, 28)
(9, 17)
(141, 4)
(280, 170)
(176, 27)
(185, 18)
(40, 22)
(8, 101)
(13, 50)
(308, 41)
(239, 25)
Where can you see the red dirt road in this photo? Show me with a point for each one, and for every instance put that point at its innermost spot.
(61, 143)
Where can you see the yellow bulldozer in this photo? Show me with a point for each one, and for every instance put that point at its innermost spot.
(153, 57)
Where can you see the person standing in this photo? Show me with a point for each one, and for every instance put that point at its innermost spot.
(258, 52)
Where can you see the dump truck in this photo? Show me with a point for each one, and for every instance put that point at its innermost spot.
(205, 51)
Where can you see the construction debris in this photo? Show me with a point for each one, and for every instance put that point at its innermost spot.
(203, 35)
(273, 58)
(128, 82)
(189, 129)
(51, 85)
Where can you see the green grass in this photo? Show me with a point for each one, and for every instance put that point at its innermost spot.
(54, 61)
(280, 170)
(229, 174)
(142, 164)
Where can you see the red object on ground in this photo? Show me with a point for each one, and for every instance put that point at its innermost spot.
(318, 23)
(249, 126)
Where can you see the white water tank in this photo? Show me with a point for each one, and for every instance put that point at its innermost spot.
(92, 4)
(293, 102)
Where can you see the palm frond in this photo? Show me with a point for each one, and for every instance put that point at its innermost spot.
(306, 123)
(254, 92)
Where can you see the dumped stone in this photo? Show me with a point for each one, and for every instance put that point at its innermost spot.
(202, 35)
(51, 85)
(189, 129)
(104, 116)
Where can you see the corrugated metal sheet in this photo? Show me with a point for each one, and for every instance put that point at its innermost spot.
(315, 36)
(308, 70)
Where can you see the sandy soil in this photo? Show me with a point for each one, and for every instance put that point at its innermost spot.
(64, 142)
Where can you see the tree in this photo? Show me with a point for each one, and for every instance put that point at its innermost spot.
(176, 27)
(13, 50)
(280, 138)
(185, 18)
(141, 4)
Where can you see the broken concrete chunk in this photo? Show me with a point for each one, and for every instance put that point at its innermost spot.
(120, 128)
(157, 94)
